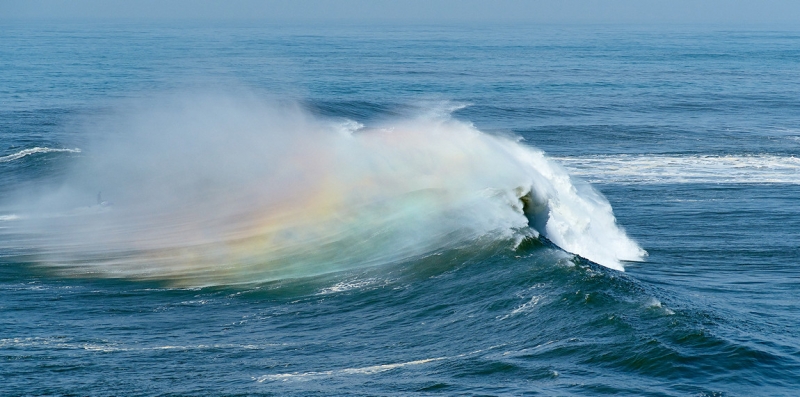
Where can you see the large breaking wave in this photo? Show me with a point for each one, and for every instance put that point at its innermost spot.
(222, 190)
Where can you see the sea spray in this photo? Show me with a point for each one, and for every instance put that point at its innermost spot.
(222, 190)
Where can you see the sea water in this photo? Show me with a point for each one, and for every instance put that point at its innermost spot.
(255, 209)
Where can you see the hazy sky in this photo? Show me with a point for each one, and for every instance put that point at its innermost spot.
(411, 11)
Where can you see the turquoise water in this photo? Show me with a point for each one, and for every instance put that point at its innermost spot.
(140, 163)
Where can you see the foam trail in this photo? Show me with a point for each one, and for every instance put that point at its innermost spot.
(34, 150)
(220, 190)
(374, 369)
(646, 169)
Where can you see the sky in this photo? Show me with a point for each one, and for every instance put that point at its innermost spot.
(416, 11)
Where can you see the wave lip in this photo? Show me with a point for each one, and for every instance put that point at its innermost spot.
(34, 150)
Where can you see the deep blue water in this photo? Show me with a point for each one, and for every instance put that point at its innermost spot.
(691, 133)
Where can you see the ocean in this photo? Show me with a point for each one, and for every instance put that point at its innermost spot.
(366, 209)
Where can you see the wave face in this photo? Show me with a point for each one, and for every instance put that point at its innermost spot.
(223, 190)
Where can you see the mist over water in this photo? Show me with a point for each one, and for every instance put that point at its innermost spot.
(219, 189)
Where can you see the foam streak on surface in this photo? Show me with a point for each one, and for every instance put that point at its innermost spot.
(685, 169)
(220, 190)
(35, 150)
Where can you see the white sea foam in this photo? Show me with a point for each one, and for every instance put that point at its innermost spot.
(221, 190)
(643, 169)
(524, 308)
(34, 150)
(654, 303)
(368, 370)
(373, 369)
(348, 285)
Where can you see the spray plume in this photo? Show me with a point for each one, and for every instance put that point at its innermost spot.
(223, 190)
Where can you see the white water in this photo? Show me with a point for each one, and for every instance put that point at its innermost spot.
(34, 150)
(219, 190)
(685, 169)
